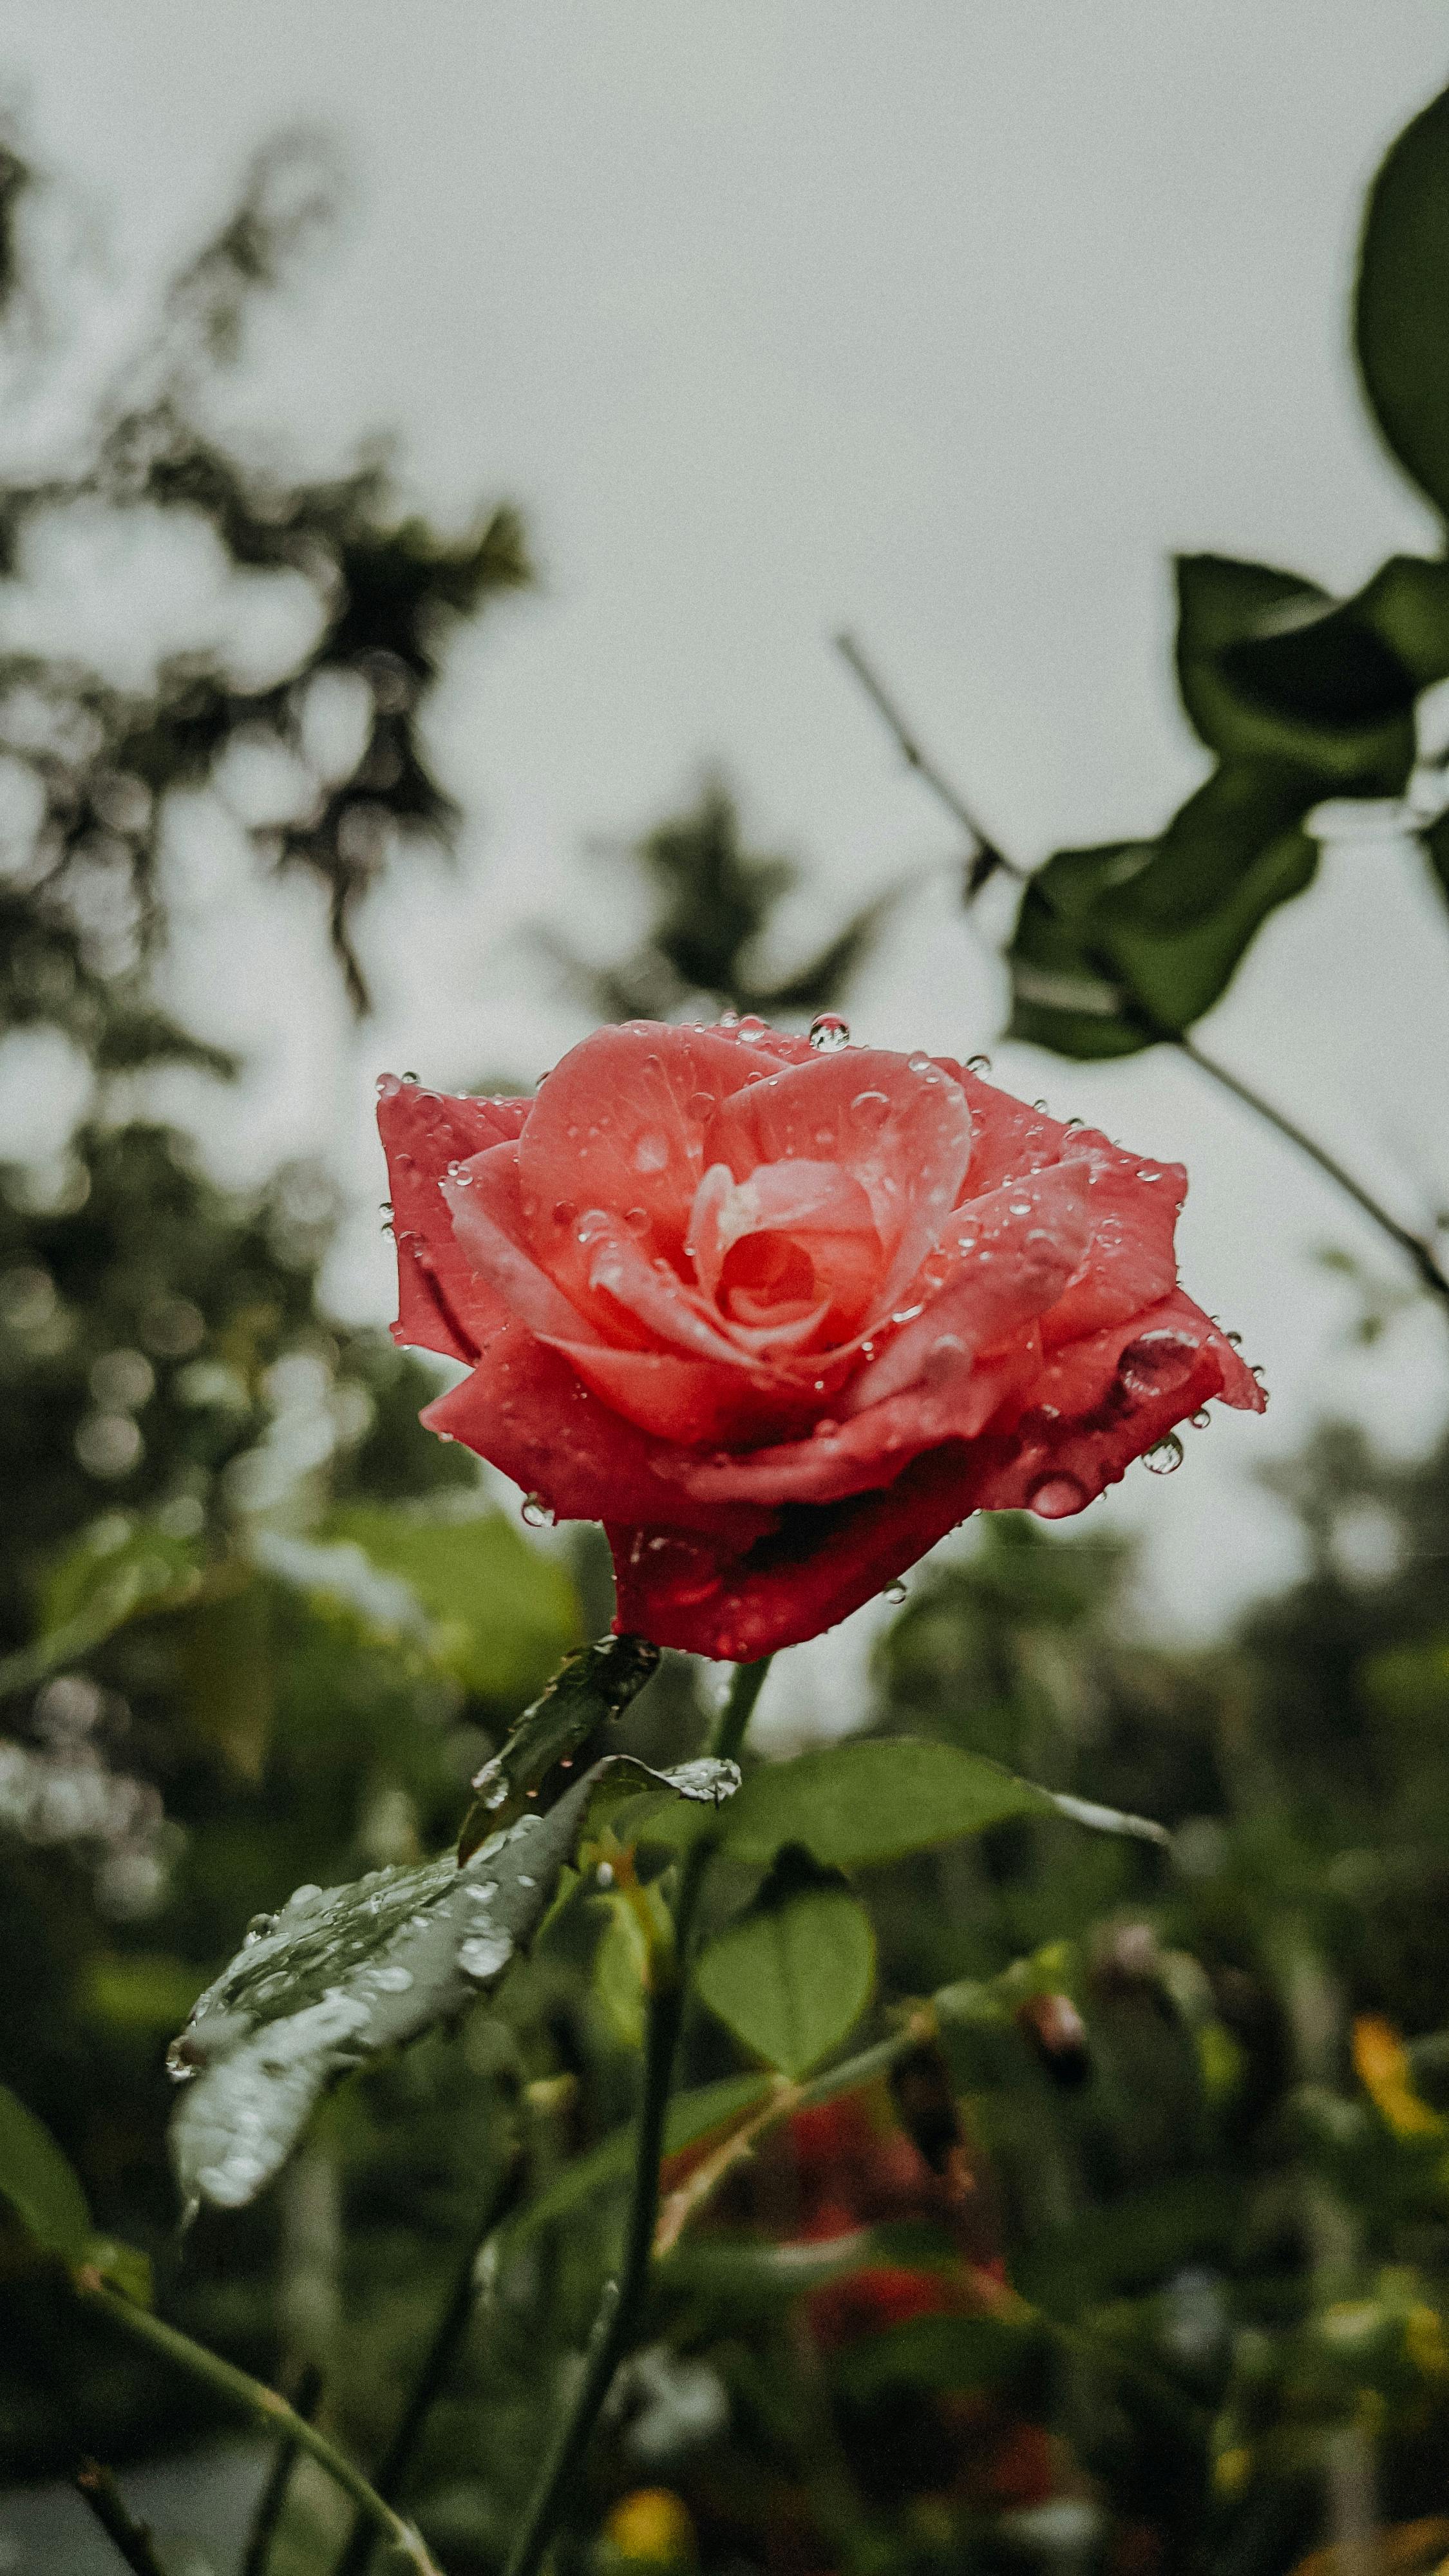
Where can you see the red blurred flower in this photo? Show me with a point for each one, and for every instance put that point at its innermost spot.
(781, 1319)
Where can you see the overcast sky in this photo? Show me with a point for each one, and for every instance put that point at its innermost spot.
(947, 318)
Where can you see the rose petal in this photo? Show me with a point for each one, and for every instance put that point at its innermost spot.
(524, 1409)
(483, 1201)
(619, 1125)
(442, 1306)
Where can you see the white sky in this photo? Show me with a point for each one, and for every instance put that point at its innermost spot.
(949, 320)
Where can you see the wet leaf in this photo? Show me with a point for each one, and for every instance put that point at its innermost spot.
(344, 1974)
(593, 1687)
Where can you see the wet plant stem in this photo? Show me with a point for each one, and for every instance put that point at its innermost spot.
(273, 2498)
(98, 2489)
(989, 855)
(433, 2373)
(264, 2405)
(619, 2308)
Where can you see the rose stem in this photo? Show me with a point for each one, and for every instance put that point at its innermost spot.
(436, 2364)
(279, 2478)
(1418, 1248)
(97, 2488)
(619, 2307)
(265, 2404)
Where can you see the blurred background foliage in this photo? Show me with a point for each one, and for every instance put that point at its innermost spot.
(1139, 2263)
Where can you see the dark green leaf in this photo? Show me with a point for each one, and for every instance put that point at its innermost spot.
(40, 2184)
(1403, 300)
(342, 1975)
(873, 1800)
(1132, 2242)
(96, 1588)
(1223, 607)
(792, 1975)
(1363, 661)
(1061, 996)
(593, 1686)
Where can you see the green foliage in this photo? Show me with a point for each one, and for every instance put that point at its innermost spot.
(1403, 290)
(499, 1614)
(591, 1689)
(713, 902)
(41, 2186)
(347, 1973)
(792, 1975)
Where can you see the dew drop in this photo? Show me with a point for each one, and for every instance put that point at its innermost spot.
(895, 1593)
(1157, 1362)
(1201, 1419)
(258, 1928)
(392, 1981)
(825, 1429)
(919, 1062)
(1038, 1104)
(829, 1032)
(1237, 1340)
(651, 1153)
(535, 1511)
(751, 1028)
(978, 1064)
(1148, 1172)
(183, 2062)
(943, 1359)
(869, 1111)
(1057, 1496)
(701, 1105)
(728, 1020)
(410, 1077)
(1165, 1455)
(302, 1896)
(637, 1220)
(605, 1873)
(484, 1953)
(564, 1212)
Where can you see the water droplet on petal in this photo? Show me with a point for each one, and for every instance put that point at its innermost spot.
(869, 1111)
(1157, 1362)
(919, 1062)
(1165, 1455)
(1148, 1172)
(637, 1220)
(483, 1954)
(978, 1064)
(1056, 1497)
(824, 1428)
(829, 1032)
(751, 1028)
(895, 1593)
(410, 1077)
(535, 1511)
(651, 1154)
(1201, 1419)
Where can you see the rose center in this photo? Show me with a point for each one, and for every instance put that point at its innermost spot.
(766, 1279)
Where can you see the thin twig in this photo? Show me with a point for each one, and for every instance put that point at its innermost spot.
(261, 2402)
(97, 2488)
(437, 2362)
(274, 2494)
(619, 2307)
(1418, 1247)
(917, 758)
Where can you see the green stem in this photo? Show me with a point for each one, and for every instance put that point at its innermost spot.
(618, 2310)
(273, 2497)
(1418, 1247)
(437, 2362)
(97, 2488)
(257, 2400)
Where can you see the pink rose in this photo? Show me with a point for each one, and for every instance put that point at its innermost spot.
(780, 1319)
